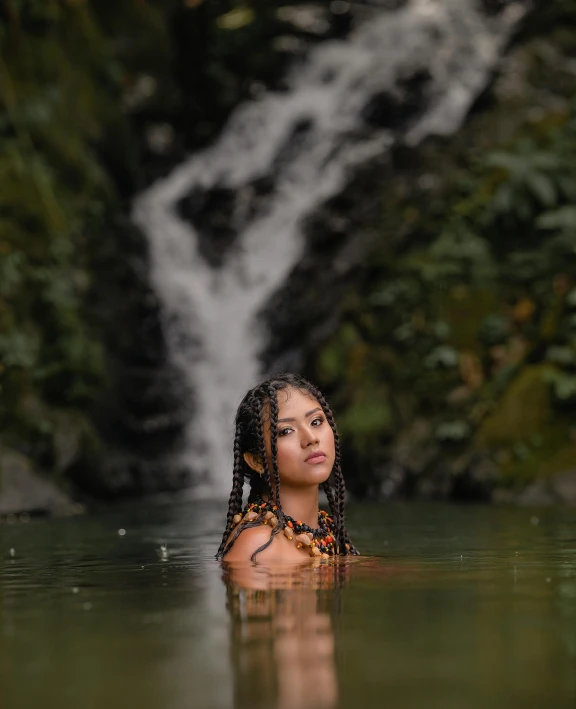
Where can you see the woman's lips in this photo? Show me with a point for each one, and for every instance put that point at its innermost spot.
(316, 457)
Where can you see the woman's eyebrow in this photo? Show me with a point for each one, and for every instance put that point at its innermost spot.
(308, 413)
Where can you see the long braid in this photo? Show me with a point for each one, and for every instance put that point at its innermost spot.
(342, 537)
(336, 475)
(329, 492)
(252, 405)
(340, 499)
(258, 482)
(259, 415)
(346, 543)
(235, 500)
(273, 491)
(273, 403)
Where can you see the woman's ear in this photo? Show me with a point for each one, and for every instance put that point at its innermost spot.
(254, 462)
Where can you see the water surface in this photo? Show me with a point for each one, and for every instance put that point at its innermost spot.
(449, 607)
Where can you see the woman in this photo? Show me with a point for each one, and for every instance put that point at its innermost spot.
(286, 446)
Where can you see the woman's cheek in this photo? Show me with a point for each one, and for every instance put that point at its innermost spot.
(286, 455)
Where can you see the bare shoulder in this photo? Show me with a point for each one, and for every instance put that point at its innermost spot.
(247, 543)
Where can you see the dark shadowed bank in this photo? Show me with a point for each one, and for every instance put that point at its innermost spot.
(451, 353)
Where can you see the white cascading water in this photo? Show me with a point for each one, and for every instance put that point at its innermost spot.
(210, 314)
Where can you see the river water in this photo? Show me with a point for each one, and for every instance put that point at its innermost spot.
(449, 607)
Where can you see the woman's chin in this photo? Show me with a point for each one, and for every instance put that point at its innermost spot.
(319, 473)
(310, 475)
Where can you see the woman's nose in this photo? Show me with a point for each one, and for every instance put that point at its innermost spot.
(309, 437)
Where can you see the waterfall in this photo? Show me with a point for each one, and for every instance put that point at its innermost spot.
(278, 159)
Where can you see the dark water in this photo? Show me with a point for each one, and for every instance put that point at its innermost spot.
(452, 607)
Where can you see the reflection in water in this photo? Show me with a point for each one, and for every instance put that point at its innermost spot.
(450, 607)
(283, 622)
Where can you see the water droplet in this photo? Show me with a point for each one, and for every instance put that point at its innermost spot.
(548, 579)
(24, 517)
(12, 552)
(163, 552)
(121, 532)
(534, 521)
(75, 589)
(11, 519)
(87, 606)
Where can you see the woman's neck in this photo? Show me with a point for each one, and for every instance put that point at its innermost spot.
(301, 504)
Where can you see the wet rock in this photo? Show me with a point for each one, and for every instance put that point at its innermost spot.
(559, 489)
(522, 412)
(394, 108)
(306, 308)
(213, 215)
(122, 474)
(476, 480)
(23, 490)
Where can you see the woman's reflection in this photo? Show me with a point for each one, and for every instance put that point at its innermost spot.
(283, 625)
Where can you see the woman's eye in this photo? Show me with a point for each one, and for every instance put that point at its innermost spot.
(283, 431)
(318, 421)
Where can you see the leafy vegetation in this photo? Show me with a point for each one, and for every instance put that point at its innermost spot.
(460, 333)
(464, 327)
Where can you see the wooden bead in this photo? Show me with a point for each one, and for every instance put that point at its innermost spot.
(288, 532)
(236, 519)
(250, 516)
(303, 539)
(273, 521)
(269, 515)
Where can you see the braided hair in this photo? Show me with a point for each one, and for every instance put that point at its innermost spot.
(249, 438)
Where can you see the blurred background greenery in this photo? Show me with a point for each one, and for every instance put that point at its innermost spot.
(452, 363)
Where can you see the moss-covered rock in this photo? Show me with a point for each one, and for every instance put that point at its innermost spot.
(23, 490)
(523, 412)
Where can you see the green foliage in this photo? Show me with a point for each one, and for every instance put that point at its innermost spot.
(564, 386)
(453, 431)
(60, 102)
(462, 320)
(442, 356)
(531, 180)
(367, 418)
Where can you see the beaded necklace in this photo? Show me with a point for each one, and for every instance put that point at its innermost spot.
(319, 542)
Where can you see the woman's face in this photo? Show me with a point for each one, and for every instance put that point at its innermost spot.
(305, 442)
